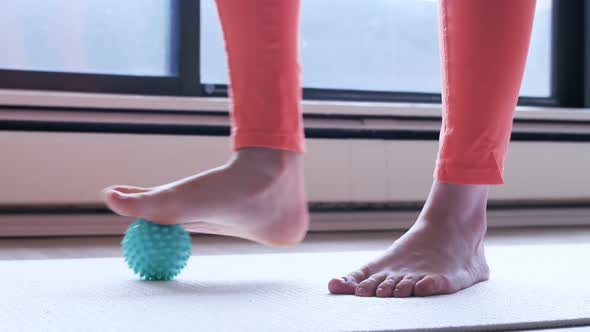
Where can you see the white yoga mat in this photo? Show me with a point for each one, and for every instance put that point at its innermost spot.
(531, 287)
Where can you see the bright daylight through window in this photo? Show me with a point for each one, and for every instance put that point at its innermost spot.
(377, 45)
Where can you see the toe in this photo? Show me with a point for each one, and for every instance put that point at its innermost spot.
(405, 287)
(385, 289)
(430, 285)
(368, 286)
(128, 204)
(341, 286)
(348, 284)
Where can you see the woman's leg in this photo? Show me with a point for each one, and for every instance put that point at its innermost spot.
(262, 43)
(484, 45)
(259, 193)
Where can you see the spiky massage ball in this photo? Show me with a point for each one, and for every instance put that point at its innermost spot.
(156, 252)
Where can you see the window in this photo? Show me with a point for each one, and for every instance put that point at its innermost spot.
(175, 47)
(393, 48)
(130, 46)
(131, 37)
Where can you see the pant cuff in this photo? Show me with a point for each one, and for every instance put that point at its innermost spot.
(290, 142)
(457, 175)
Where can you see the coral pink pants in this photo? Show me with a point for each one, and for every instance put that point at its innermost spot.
(484, 45)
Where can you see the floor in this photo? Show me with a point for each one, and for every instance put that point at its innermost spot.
(80, 247)
(109, 246)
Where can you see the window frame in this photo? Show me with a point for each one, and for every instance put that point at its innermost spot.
(570, 71)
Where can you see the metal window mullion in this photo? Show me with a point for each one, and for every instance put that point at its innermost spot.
(586, 55)
(567, 72)
(189, 70)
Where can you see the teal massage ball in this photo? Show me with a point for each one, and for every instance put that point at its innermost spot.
(156, 252)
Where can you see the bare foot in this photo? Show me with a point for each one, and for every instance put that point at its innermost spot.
(442, 252)
(258, 195)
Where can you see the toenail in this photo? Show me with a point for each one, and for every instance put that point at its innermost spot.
(434, 288)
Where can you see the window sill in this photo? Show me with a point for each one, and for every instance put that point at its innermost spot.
(95, 101)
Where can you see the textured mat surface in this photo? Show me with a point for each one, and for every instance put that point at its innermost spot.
(531, 287)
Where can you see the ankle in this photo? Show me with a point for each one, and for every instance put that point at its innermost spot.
(461, 207)
(272, 163)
